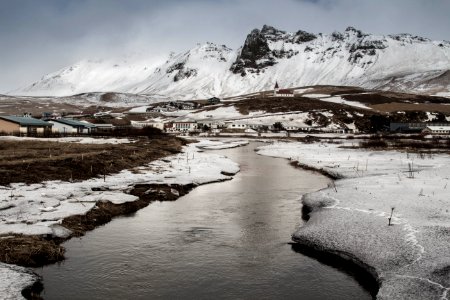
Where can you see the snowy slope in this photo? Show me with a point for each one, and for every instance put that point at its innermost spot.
(395, 62)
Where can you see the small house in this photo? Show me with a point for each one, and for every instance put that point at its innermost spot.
(24, 126)
(70, 126)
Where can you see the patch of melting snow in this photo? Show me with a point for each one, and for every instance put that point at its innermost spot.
(38, 209)
(376, 181)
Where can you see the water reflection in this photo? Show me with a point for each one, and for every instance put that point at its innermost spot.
(225, 240)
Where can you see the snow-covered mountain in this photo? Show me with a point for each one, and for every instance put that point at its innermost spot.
(401, 62)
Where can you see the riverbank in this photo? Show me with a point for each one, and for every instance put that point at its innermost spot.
(54, 211)
(410, 258)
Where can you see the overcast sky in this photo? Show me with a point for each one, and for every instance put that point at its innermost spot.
(41, 36)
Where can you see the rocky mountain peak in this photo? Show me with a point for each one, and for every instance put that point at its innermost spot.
(269, 30)
(300, 58)
(255, 48)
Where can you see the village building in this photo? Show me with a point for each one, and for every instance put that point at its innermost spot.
(213, 100)
(50, 115)
(70, 126)
(437, 130)
(210, 123)
(290, 127)
(259, 126)
(277, 92)
(181, 125)
(24, 126)
(413, 126)
(148, 123)
(237, 125)
(99, 128)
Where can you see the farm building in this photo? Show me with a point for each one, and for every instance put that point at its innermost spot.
(69, 126)
(24, 126)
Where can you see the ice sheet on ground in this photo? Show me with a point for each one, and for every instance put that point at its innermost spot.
(13, 279)
(352, 216)
(222, 144)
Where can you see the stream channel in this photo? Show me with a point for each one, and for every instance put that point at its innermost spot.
(225, 240)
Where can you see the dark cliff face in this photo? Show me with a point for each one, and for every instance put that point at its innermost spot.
(303, 37)
(256, 54)
(255, 48)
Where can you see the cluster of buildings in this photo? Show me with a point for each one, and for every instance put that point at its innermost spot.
(431, 128)
(29, 126)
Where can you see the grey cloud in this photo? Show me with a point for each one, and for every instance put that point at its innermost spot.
(38, 37)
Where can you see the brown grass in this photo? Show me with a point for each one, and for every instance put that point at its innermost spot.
(31, 251)
(37, 161)
(298, 103)
(393, 107)
(380, 97)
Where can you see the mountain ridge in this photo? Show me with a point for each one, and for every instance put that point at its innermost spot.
(399, 62)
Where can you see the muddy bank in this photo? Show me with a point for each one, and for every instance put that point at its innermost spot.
(364, 274)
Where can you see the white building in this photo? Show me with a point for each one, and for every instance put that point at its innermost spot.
(182, 125)
(437, 130)
(148, 123)
(69, 126)
(237, 125)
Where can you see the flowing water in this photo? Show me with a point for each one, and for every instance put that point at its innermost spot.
(224, 240)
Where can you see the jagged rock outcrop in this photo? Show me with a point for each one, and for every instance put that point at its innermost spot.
(255, 53)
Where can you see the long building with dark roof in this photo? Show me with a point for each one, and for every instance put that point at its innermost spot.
(24, 125)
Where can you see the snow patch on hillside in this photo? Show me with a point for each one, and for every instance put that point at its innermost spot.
(351, 58)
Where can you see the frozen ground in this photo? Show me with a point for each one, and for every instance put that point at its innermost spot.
(412, 257)
(40, 208)
(223, 144)
(13, 279)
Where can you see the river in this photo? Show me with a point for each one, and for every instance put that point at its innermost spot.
(224, 240)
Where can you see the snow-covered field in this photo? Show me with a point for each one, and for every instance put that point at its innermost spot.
(40, 208)
(412, 257)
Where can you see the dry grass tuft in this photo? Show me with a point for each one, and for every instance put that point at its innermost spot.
(29, 251)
